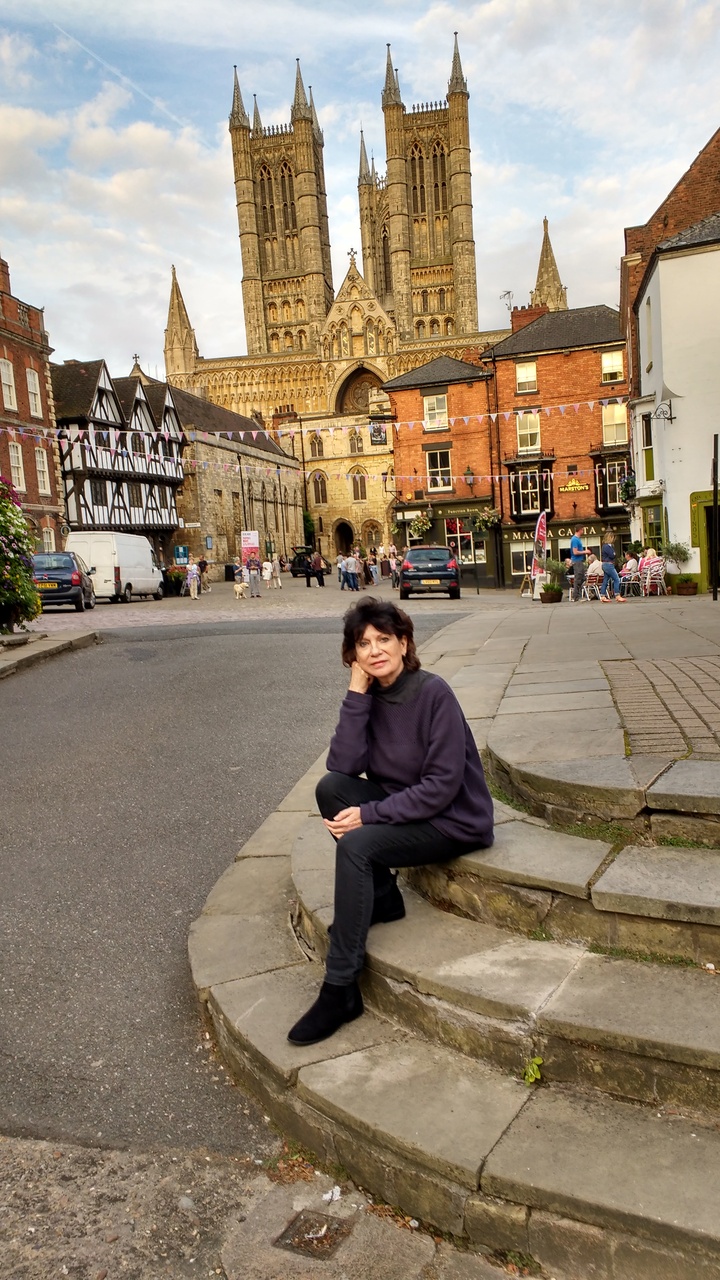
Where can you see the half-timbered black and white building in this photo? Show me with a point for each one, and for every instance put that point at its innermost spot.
(120, 456)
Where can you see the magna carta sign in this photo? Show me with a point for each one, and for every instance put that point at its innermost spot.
(573, 486)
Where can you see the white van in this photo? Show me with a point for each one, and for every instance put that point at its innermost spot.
(124, 564)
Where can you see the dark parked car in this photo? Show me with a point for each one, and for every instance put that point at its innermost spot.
(62, 577)
(429, 569)
(297, 564)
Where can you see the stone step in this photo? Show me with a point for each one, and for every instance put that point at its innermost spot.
(658, 899)
(558, 1173)
(639, 1030)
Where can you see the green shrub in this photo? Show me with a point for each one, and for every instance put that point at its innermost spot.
(19, 600)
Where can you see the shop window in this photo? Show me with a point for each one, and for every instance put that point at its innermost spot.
(653, 526)
(615, 473)
(521, 558)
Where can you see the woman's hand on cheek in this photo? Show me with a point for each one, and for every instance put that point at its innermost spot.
(360, 681)
(346, 820)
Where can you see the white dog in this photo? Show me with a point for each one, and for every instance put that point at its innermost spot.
(240, 590)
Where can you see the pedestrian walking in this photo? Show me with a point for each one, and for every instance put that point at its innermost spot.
(276, 571)
(340, 565)
(254, 569)
(424, 799)
(578, 555)
(192, 577)
(267, 573)
(610, 573)
(352, 566)
(318, 568)
(203, 566)
(374, 569)
(394, 570)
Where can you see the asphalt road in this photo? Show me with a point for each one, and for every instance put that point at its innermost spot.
(130, 775)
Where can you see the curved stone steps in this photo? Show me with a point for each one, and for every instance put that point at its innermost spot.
(585, 1183)
(642, 1031)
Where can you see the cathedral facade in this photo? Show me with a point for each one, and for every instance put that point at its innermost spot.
(316, 359)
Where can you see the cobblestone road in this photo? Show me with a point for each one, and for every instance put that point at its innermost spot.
(669, 707)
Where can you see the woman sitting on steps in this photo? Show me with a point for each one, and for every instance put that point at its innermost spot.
(424, 798)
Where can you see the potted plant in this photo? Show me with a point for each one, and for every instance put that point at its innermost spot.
(551, 591)
(678, 553)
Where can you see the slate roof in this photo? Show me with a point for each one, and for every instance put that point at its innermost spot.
(705, 232)
(437, 372)
(74, 387)
(125, 389)
(560, 331)
(198, 414)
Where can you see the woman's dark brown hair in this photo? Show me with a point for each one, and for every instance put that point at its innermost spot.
(385, 617)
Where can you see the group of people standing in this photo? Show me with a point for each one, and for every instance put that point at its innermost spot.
(253, 572)
(196, 576)
(355, 569)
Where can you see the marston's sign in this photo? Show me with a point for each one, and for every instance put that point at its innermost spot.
(573, 486)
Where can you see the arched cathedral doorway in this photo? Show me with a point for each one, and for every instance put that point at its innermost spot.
(344, 537)
(353, 395)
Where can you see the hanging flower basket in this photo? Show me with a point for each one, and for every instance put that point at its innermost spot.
(419, 526)
(487, 519)
(628, 489)
(19, 600)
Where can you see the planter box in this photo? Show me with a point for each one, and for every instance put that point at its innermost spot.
(551, 597)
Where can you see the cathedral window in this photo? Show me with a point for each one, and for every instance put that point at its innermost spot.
(359, 484)
(300, 308)
(319, 488)
(274, 342)
(370, 339)
(344, 341)
(425, 301)
(272, 313)
(286, 311)
(356, 442)
(288, 342)
(417, 179)
(302, 339)
(287, 192)
(387, 272)
(439, 177)
(441, 300)
(267, 200)
(316, 446)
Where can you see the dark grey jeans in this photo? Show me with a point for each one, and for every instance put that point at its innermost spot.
(363, 862)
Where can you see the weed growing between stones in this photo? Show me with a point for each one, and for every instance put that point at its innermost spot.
(541, 934)
(531, 1071)
(645, 957)
(518, 1264)
(678, 842)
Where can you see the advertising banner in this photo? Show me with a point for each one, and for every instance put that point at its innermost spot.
(249, 544)
(539, 547)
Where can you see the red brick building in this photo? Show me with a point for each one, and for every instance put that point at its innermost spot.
(694, 197)
(538, 424)
(28, 451)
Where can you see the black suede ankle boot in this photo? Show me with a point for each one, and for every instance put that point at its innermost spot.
(333, 1008)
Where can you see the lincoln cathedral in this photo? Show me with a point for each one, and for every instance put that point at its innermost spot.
(316, 359)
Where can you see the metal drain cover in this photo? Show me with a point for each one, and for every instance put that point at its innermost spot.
(314, 1234)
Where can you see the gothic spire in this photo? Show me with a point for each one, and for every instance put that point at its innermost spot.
(257, 122)
(300, 107)
(548, 290)
(391, 92)
(364, 176)
(313, 113)
(238, 115)
(457, 82)
(181, 349)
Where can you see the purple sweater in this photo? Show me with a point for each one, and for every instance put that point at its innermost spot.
(414, 741)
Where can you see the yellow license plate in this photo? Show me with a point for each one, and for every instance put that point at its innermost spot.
(430, 582)
(47, 586)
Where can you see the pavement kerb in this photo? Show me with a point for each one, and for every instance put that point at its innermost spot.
(509, 1205)
(39, 648)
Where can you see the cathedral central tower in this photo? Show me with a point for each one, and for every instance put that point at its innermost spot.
(283, 222)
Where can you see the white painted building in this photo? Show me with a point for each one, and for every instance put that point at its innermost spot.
(678, 411)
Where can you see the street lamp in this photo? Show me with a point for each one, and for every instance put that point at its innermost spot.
(469, 476)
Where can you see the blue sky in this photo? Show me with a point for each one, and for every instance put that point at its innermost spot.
(115, 158)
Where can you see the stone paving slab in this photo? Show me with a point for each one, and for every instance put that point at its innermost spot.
(275, 837)
(223, 947)
(560, 735)
(611, 1164)
(248, 886)
(523, 704)
(654, 1010)
(523, 686)
(442, 1111)
(610, 788)
(538, 857)
(692, 786)
(263, 1008)
(664, 883)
